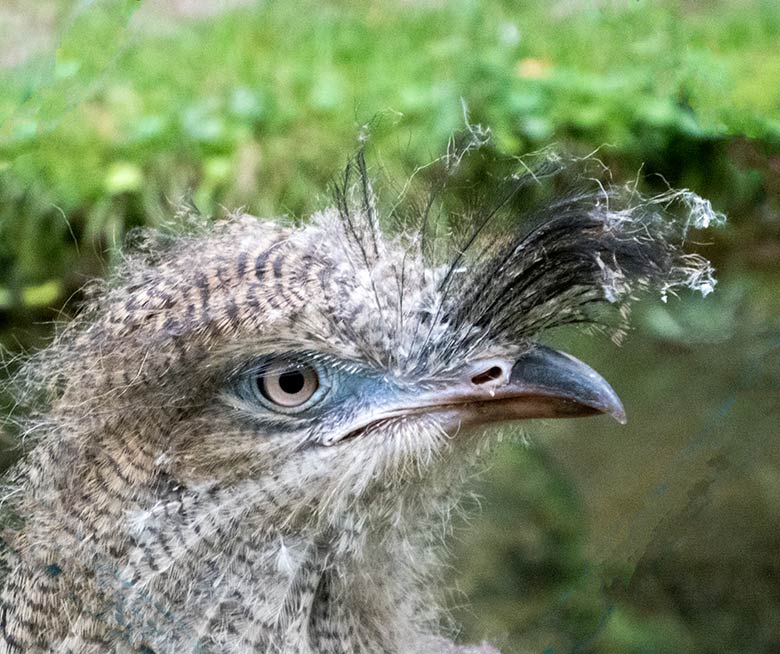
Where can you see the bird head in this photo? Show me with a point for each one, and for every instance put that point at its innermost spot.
(323, 376)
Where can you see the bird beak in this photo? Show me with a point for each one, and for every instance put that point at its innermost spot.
(542, 383)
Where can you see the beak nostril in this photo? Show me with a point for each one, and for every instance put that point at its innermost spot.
(491, 374)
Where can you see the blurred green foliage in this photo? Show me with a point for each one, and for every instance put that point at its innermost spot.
(134, 107)
(258, 106)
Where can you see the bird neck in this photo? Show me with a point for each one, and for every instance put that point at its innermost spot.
(353, 584)
(234, 574)
(339, 602)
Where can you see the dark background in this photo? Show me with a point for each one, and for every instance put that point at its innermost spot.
(661, 536)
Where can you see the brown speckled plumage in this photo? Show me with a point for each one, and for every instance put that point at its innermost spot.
(161, 510)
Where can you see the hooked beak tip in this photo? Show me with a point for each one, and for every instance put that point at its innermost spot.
(617, 411)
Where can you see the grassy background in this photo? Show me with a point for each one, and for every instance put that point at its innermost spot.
(658, 537)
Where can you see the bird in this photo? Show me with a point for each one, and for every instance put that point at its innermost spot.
(253, 436)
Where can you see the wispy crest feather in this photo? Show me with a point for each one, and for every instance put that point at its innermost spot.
(549, 244)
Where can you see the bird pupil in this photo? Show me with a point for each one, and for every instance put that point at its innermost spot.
(291, 382)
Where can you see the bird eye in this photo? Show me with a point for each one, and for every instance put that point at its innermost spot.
(289, 386)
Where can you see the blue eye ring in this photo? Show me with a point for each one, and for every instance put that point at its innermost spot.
(288, 385)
